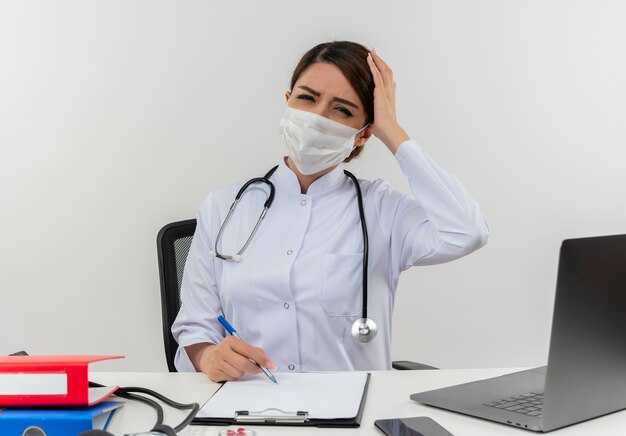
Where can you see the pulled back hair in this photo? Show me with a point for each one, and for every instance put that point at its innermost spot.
(351, 59)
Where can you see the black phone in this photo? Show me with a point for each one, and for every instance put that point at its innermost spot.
(418, 426)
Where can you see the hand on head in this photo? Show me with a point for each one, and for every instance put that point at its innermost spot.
(385, 126)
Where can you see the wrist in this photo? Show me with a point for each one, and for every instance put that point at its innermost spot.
(394, 137)
(198, 355)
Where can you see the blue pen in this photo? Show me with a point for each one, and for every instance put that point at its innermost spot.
(229, 328)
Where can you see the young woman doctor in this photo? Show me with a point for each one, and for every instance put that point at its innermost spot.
(296, 290)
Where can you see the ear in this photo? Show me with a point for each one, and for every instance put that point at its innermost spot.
(287, 95)
(362, 137)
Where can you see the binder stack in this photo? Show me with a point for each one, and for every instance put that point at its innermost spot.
(52, 394)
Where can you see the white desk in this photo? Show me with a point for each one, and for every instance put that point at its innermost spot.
(388, 397)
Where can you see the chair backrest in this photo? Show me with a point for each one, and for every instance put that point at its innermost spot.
(173, 243)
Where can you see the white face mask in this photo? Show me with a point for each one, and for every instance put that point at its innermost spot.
(315, 142)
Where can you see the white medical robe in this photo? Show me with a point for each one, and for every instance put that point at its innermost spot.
(298, 288)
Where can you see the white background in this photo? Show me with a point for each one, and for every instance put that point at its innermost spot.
(117, 117)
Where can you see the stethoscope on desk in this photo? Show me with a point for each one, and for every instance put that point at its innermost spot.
(363, 329)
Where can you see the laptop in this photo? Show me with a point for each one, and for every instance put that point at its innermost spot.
(586, 372)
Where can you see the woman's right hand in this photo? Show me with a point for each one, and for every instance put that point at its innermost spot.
(385, 126)
(228, 360)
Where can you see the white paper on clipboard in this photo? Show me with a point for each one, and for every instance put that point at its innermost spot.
(324, 395)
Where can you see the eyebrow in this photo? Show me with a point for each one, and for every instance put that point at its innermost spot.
(340, 100)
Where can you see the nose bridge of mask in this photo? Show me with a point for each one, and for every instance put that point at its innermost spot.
(317, 122)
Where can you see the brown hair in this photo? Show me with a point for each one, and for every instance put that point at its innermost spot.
(351, 59)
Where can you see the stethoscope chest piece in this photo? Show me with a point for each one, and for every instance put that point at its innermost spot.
(364, 330)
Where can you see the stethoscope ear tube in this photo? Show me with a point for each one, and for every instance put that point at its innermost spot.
(359, 198)
(265, 180)
(364, 329)
(266, 206)
(270, 198)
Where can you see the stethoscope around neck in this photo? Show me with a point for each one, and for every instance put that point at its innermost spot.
(364, 329)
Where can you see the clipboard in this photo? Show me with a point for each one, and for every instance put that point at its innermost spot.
(271, 416)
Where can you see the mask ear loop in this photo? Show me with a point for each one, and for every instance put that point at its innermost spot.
(354, 147)
(363, 128)
(356, 134)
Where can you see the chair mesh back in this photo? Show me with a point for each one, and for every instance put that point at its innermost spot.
(181, 248)
(173, 243)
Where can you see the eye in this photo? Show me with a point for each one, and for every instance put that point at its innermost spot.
(344, 111)
(305, 97)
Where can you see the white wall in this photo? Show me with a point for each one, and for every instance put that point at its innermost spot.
(117, 117)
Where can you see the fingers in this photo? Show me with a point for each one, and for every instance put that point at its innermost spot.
(378, 78)
(385, 72)
(228, 372)
(220, 376)
(230, 360)
(381, 64)
(384, 85)
(250, 352)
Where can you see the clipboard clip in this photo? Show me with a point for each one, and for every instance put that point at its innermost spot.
(271, 415)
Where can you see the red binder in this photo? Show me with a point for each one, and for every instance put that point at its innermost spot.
(49, 381)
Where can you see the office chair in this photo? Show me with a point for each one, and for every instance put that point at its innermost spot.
(173, 243)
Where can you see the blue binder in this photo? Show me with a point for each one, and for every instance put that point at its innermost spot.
(58, 422)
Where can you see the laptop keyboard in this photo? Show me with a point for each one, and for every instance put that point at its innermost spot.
(527, 404)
